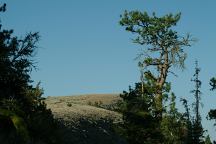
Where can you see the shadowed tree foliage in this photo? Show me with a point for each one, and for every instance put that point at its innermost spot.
(194, 129)
(213, 83)
(139, 115)
(208, 140)
(23, 114)
(141, 124)
(173, 123)
(197, 125)
(189, 123)
(212, 112)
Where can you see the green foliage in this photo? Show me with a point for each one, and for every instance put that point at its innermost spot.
(213, 83)
(172, 125)
(157, 32)
(208, 140)
(141, 124)
(22, 109)
(189, 123)
(212, 112)
(164, 47)
(144, 113)
(41, 124)
(139, 114)
(17, 122)
(3, 8)
(194, 126)
(197, 126)
(69, 104)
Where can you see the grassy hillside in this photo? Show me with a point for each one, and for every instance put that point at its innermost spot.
(87, 118)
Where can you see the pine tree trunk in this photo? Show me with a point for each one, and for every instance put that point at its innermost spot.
(163, 69)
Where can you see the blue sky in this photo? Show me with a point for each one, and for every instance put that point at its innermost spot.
(83, 49)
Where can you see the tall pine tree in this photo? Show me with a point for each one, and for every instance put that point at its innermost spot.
(164, 49)
(163, 46)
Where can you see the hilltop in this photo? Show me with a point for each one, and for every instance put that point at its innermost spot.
(87, 118)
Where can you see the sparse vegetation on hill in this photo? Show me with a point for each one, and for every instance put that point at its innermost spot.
(76, 107)
(84, 123)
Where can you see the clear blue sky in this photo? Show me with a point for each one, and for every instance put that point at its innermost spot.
(83, 49)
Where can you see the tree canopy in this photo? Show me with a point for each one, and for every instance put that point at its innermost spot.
(23, 113)
(163, 46)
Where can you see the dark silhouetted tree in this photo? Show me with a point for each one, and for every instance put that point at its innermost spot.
(213, 83)
(139, 114)
(173, 123)
(194, 127)
(212, 112)
(23, 113)
(197, 125)
(189, 123)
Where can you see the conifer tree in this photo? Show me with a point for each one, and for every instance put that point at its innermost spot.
(139, 114)
(213, 83)
(24, 117)
(194, 126)
(189, 123)
(197, 125)
(212, 112)
(173, 124)
(164, 49)
(163, 46)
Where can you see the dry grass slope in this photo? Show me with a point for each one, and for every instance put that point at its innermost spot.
(87, 118)
(83, 106)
